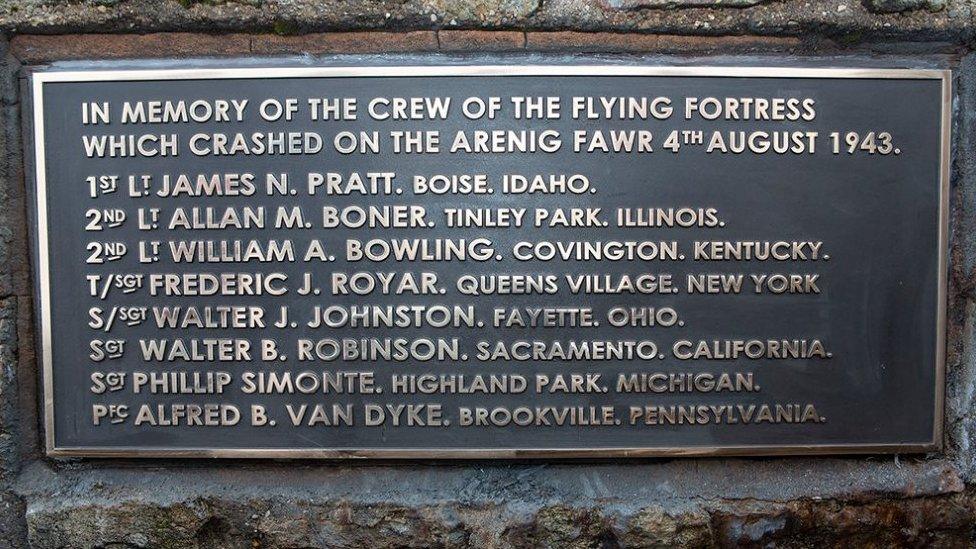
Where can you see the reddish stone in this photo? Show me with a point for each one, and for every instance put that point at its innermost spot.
(590, 41)
(477, 40)
(35, 48)
(725, 44)
(345, 42)
(653, 43)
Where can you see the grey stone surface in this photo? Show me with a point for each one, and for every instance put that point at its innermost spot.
(895, 6)
(13, 296)
(678, 504)
(640, 4)
(848, 20)
(632, 485)
(12, 525)
(688, 503)
(445, 12)
(8, 388)
(961, 369)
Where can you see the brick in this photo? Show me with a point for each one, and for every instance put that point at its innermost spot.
(345, 42)
(44, 48)
(479, 40)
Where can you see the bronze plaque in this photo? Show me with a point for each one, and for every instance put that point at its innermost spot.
(490, 261)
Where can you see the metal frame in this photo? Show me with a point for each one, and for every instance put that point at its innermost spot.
(42, 266)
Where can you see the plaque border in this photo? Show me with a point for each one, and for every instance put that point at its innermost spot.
(41, 76)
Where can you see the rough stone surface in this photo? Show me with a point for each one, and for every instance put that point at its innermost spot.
(12, 527)
(639, 4)
(14, 302)
(215, 523)
(44, 48)
(480, 41)
(849, 20)
(895, 6)
(40, 48)
(961, 391)
(363, 42)
(614, 42)
(8, 388)
(700, 503)
(920, 522)
(451, 12)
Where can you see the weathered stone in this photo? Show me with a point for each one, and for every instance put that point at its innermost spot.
(345, 42)
(961, 391)
(563, 526)
(813, 19)
(473, 40)
(590, 41)
(638, 4)
(443, 12)
(217, 523)
(8, 390)
(220, 524)
(823, 19)
(653, 43)
(920, 522)
(13, 264)
(123, 525)
(895, 6)
(13, 296)
(43, 48)
(654, 527)
(13, 527)
(34, 48)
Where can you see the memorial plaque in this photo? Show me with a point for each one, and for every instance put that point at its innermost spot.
(490, 261)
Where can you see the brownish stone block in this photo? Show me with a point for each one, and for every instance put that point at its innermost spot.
(478, 40)
(345, 42)
(727, 44)
(36, 48)
(45, 48)
(653, 43)
(590, 41)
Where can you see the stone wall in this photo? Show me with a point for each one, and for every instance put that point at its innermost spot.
(791, 502)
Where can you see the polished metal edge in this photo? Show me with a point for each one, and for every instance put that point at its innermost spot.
(480, 70)
(492, 453)
(941, 332)
(43, 275)
(39, 77)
